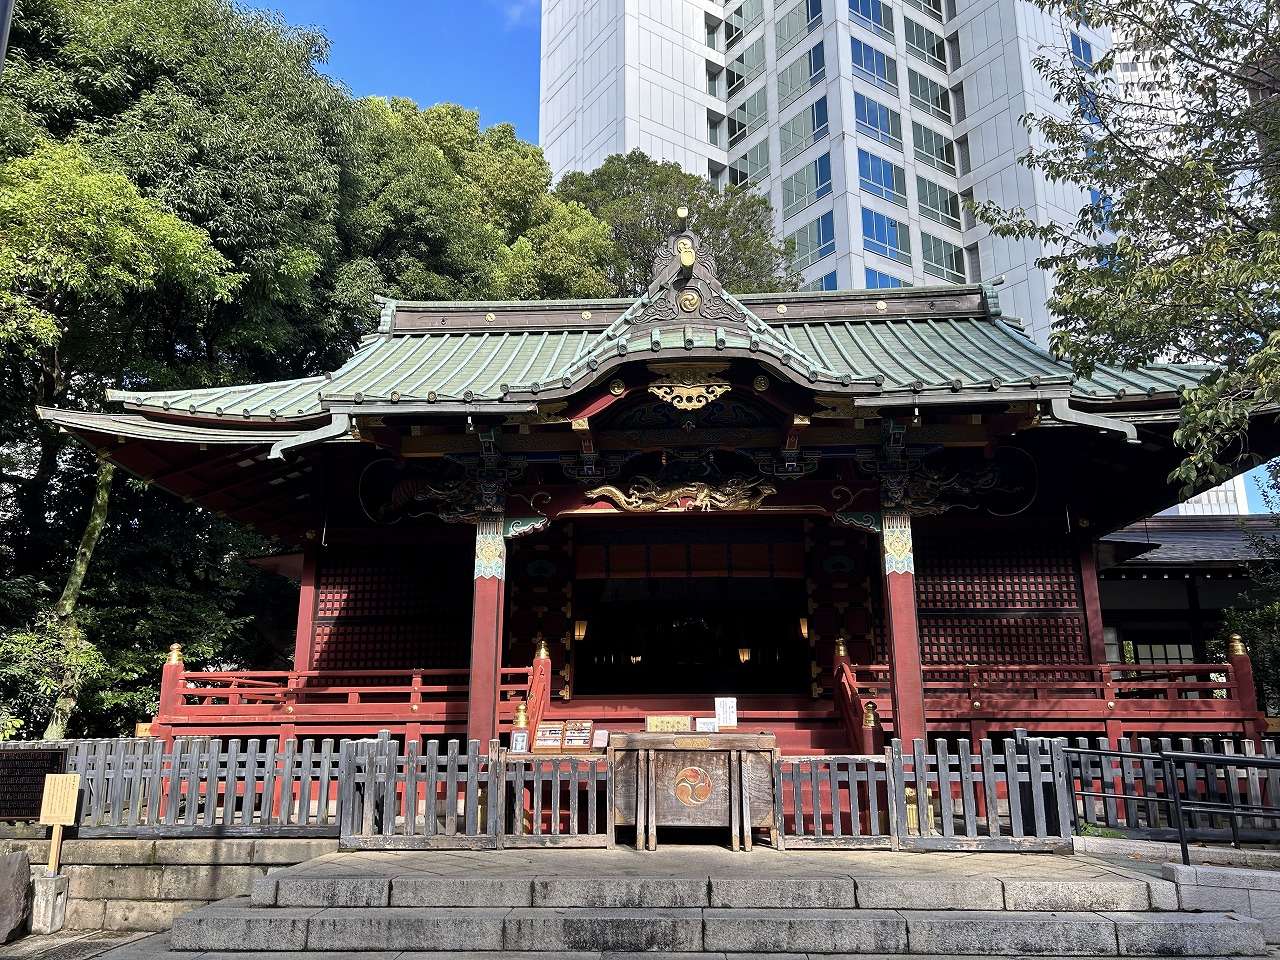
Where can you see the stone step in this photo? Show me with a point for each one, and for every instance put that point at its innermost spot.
(878, 893)
(235, 926)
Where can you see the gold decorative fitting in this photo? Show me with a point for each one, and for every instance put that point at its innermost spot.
(543, 652)
(175, 654)
(691, 386)
(977, 704)
(1235, 646)
(617, 387)
(869, 718)
(586, 314)
(682, 212)
(841, 649)
(579, 425)
(761, 383)
(816, 690)
(690, 300)
(413, 708)
(288, 709)
(490, 317)
(1111, 704)
(684, 249)
(782, 308)
(521, 722)
(644, 495)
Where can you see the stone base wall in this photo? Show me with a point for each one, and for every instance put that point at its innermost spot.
(145, 884)
(1250, 893)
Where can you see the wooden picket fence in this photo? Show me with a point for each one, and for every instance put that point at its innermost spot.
(834, 801)
(472, 799)
(201, 787)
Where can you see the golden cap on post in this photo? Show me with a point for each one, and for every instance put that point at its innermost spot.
(869, 718)
(175, 653)
(521, 721)
(841, 649)
(543, 652)
(1235, 646)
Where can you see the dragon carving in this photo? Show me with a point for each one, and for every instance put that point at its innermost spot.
(646, 496)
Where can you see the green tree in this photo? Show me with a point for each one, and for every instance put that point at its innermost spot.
(638, 198)
(1176, 254)
(80, 250)
(446, 211)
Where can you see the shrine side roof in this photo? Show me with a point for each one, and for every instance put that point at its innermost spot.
(950, 340)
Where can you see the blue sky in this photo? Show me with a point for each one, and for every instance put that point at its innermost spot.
(482, 54)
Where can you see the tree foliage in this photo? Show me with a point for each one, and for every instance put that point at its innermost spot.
(186, 200)
(1176, 253)
(638, 198)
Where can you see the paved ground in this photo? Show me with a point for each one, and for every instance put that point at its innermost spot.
(686, 861)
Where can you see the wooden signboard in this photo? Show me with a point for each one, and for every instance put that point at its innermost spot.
(22, 774)
(549, 737)
(577, 736)
(61, 798)
(666, 723)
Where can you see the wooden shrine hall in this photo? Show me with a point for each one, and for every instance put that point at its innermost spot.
(858, 513)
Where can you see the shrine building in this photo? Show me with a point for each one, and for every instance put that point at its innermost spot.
(859, 513)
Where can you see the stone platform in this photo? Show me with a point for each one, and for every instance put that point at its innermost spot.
(585, 904)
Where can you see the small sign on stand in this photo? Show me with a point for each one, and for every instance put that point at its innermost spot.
(549, 737)
(727, 713)
(58, 809)
(577, 736)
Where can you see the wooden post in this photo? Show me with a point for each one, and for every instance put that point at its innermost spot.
(170, 694)
(304, 644)
(1092, 603)
(1246, 690)
(901, 628)
(486, 630)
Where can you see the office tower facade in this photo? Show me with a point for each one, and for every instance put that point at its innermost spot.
(866, 121)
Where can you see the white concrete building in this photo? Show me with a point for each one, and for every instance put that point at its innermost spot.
(865, 120)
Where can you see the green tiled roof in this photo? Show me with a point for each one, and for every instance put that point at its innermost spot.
(835, 343)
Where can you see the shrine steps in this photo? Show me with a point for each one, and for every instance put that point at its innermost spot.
(700, 916)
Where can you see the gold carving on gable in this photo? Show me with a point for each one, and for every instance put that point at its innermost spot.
(691, 386)
(647, 496)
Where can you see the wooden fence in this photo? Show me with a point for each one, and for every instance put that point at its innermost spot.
(201, 787)
(1011, 798)
(834, 801)
(557, 801)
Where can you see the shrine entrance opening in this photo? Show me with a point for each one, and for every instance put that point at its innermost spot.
(690, 605)
(711, 635)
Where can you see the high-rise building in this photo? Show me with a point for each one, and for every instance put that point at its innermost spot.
(866, 121)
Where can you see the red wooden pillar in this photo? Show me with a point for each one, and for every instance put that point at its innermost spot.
(1246, 690)
(304, 644)
(486, 630)
(901, 628)
(1092, 603)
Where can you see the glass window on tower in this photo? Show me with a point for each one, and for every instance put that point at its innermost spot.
(938, 203)
(829, 282)
(881, 178)
(933, 148)
(752, 167)
(875, 15)
(932, 8)
(878, 121)
(797, 23)
(742, 21)
(930, 96)
(1081, 52)
(886, 236)
(745, 67)
(942, 259)
(806, 186)
(815, 241)
(924, 44)
(883, 281)
(748, 116)
(870, 64)
(805, 128)
(804, 73)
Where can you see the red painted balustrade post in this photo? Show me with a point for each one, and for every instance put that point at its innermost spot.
(486, 629)
(1246, 690)
(1092, 604)
(903, 631)
(170, 694)
(304, 644)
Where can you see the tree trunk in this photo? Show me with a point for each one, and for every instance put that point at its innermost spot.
(69, 688)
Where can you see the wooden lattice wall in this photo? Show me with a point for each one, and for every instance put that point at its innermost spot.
(392, 608)
(842, 577)
(999, 599)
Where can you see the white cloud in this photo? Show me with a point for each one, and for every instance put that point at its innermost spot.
(517, 13)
